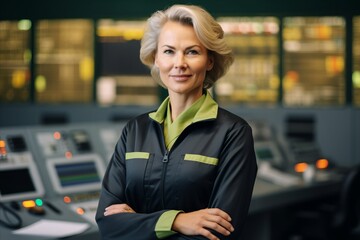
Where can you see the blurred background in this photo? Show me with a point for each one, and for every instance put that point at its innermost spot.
(78, 61)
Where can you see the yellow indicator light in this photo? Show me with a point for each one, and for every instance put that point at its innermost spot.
(322, 163)
(86, 69)
(40, 83)
(28, 204)
(67, 199)
(18, 79)
(80, 211)
(2, 144)
(356, 79)
(300, 167)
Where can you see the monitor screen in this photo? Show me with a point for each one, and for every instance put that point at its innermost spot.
(264, 153)
(16, 181)
(74, 174)
(78, 174)
(121, 58)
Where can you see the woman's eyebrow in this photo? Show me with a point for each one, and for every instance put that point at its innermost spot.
(189, 47)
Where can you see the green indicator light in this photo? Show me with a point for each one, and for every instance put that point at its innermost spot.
(39, 202)
(356, 79)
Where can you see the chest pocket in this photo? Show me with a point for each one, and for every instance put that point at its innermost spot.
(137, 164)
(196, 175)
(198, 169)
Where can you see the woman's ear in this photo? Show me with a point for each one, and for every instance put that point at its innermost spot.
(155, 60)
(210, 62)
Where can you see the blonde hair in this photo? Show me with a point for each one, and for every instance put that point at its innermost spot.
(208, 31)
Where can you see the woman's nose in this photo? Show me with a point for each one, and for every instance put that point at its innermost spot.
(180, 61)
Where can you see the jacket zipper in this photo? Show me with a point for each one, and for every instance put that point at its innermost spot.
(165, 161)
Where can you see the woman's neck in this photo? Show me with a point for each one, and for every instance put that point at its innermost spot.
(179, 103)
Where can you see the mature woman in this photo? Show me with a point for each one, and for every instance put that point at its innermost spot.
(187, 170)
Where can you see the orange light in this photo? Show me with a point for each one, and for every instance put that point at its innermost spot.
(29, 204)
(322, 163)
(2, 147)
(2, 144)
(80, 211)
(57, 135)
(68, 154)
(3, 151)
(300, 167)
(67, 199)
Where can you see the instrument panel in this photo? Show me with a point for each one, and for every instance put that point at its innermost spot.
(53, 173)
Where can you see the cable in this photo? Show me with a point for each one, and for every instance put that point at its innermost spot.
(11, 218)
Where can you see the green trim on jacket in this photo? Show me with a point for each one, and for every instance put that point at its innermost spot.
(164, 224)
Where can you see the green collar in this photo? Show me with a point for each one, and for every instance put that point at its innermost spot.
(208, 110)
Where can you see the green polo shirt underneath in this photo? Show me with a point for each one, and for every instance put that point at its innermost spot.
(202, 109)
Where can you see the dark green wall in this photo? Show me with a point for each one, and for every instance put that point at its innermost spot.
(40, 9)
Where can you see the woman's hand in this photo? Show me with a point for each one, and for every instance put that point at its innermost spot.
(118, 208)
(202, 221)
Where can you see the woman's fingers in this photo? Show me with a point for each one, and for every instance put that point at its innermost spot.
(219, 212)
(202, 222)
(118, 208)
(219, 224)
(219, 220)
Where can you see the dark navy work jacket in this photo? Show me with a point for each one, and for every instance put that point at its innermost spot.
(154, 180)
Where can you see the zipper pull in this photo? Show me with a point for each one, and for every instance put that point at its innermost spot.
(165, 158)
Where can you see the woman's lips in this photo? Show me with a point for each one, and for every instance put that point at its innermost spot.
(181, 77)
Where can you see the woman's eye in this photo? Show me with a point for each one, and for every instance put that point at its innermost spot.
(193, 52)
(168, 51)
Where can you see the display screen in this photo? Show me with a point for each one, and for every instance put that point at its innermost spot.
(356, 61)
(75, 174)
(15, 55)
(121, 58)
(16, 143)
(264, 153)
(253, 78)
(64, 60)
(314, 61)
(16, 181)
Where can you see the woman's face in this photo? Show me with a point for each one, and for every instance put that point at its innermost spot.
(182, 59)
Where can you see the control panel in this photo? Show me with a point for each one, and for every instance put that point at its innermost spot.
(53, 173)
(24, 198)
(266, 146)
(272, 165)
(72, 166)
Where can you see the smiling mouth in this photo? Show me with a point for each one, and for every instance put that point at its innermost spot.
(181, 76)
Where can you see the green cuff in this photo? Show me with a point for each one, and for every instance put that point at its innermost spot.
(164, 224)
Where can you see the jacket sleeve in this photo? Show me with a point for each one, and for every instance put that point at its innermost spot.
(233, 186)
(125, 226)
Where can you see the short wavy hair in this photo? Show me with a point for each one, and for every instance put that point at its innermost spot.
(208, 31)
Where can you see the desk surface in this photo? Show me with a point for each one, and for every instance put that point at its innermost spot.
(268, 196)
